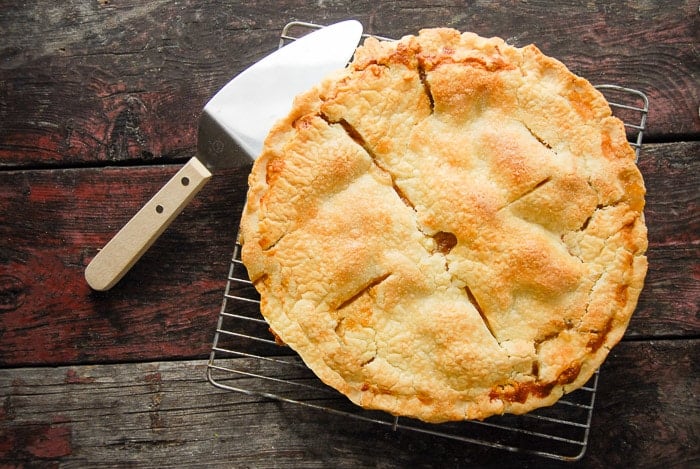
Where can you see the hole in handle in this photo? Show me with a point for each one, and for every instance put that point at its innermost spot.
(185, 181)
(159, 209)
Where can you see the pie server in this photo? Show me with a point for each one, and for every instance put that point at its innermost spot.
(238, 117)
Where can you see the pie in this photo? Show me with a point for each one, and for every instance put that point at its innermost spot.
(449, 228)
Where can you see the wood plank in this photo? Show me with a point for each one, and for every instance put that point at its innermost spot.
(165, 413)
(166, 306)
(647, 405)
(125, 81)
(670, 301)
(54, 221)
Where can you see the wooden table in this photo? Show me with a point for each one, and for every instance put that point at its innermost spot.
(99, 103)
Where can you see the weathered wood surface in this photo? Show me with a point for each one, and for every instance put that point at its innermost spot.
(124, 81)
(166, 306)
(161, 414)
(56, 220)
(98, 108)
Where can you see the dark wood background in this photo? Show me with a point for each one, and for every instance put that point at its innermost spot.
(99, 104)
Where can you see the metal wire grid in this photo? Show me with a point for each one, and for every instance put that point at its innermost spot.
(632, 106)
(245, 357)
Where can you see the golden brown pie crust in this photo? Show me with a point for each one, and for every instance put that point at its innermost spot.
(449, 228)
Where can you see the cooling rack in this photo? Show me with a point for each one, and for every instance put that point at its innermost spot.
(245, 357)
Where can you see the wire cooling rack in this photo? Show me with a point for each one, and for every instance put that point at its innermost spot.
(245, 357)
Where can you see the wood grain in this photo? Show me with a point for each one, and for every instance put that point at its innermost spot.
(165, 413)
(123, 81)
(99, 104)
(166, 306)
(652, 417)
(670, 302)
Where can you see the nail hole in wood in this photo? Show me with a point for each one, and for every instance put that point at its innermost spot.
(159, 208)
(185, 181)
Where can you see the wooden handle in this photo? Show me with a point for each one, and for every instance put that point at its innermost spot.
(129, 244)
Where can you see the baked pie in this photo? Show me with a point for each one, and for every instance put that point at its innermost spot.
(449, 228)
